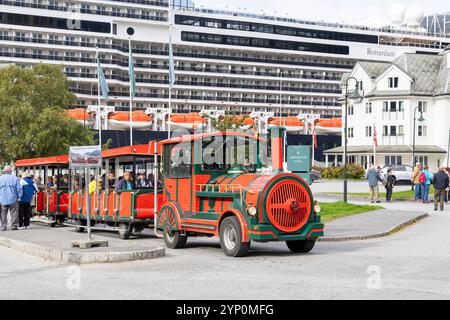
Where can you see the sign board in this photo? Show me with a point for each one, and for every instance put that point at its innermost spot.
(299, 158)
(85, 157)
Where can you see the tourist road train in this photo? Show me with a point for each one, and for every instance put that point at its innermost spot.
(193, 197)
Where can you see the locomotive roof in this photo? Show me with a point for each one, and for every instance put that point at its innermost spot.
(43, 161)
(194, 137)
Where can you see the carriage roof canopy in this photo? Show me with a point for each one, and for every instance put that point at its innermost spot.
(55, 160)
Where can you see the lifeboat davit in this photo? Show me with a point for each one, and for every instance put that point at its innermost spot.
(191, 121)
(329, 127)
(292, 124)
(121, 121)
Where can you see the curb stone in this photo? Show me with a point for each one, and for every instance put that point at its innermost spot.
(387, 233)
(69, 257)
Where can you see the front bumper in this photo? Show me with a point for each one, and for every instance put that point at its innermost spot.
(266, 233)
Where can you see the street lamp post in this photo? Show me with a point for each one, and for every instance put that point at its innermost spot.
(354, 95)
(421, 119)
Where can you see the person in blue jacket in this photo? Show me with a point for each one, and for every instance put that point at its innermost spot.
(10, 192)
(29, 189)
(426, 182)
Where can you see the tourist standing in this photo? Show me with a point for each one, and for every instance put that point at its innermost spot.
(373, 177)
(440, 183)
(10, 192)
(389, 185)
(425, 180)
(29, 189)
(415, 180)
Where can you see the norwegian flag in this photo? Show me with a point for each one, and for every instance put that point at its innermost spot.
(314, 136)
(375, 137)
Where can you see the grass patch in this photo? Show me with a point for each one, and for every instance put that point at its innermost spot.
(334, 210)
(397, 195)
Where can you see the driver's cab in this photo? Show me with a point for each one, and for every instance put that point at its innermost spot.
(190, 162)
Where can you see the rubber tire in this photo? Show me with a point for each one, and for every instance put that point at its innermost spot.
(124, 231)
(301, 246)
(178, 242)
(241, 248)
(80, 226)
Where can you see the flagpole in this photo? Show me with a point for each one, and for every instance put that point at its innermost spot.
(171, 79)
(375, 142)
(131, 93)
(98, 117)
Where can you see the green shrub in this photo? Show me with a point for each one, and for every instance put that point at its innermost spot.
(354, 171)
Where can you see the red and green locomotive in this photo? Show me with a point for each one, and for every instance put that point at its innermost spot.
(239, 205)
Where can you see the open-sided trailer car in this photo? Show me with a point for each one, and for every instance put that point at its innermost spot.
(127, 211)
(53, 204)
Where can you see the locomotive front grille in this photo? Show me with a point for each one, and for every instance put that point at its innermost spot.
(288, 206)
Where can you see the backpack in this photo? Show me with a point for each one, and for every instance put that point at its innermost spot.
(422, 178)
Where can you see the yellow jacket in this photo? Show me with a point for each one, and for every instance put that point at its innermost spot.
(92, 187)
(415, 178)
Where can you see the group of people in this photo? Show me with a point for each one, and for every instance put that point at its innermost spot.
(422, 178)
(16, 196)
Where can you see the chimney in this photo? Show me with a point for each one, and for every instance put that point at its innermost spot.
(277, 147)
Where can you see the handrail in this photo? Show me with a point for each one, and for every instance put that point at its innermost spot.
(222, 188)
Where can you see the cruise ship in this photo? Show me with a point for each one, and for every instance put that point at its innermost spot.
(232, 61)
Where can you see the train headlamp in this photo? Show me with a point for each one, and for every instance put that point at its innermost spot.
(317, 208)
(251, 210)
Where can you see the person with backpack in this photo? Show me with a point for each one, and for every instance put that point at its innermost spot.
(389, 185)
(29, 189)
(425, 180)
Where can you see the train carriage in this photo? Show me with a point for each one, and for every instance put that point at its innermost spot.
(238, 204)
(52, 203)
(127, 211)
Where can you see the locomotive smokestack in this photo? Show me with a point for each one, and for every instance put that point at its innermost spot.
(277, 146)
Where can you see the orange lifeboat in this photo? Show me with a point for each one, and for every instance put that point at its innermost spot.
(121, 121)
(191, 121)
(292, 124)
(79, 115)
(329, 127)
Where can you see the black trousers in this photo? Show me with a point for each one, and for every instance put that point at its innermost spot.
(24, 214)
(389, 194)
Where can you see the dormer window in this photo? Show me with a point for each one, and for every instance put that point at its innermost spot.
(393, 82)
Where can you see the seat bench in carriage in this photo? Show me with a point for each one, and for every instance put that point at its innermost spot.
(51, 203)
(127, 212)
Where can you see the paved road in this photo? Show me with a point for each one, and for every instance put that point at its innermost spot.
(412, 264)
(323, 186)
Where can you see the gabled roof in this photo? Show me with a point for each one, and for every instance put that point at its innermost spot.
(428, 72)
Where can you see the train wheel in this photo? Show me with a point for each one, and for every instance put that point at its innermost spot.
(174, 239)
(124, 231)
(80, 224)
(52, 222)
(231, 238)
(301, 246)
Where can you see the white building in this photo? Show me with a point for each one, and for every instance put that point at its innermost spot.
(224, 60)
(392, 92)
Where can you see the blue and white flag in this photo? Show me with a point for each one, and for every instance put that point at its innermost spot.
(102, 80)
(132, 75)
(171, 62)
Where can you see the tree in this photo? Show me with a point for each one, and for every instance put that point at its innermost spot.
(32, 118)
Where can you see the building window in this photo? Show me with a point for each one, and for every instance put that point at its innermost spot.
(393, 131)
(401, 107)
(385, 131)
(422, 131)
(392, 160)
(368, 131)
(393, 107)
(369, 107)
(385, 106)
(393, 82)
(423, 106)
(351, 110)
(401, 130)
(361, 86)
(350, 133)
(422, 159)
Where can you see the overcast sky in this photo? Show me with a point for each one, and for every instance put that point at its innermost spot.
(350, 11)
